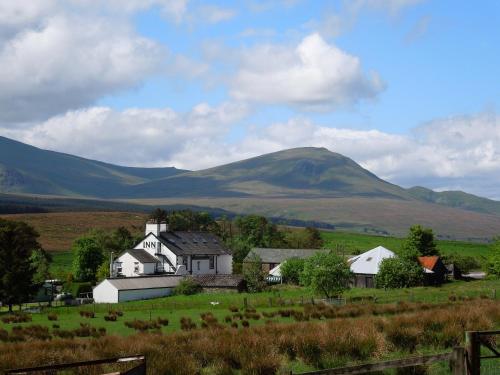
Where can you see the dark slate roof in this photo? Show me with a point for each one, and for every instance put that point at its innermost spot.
(268, 255)
(219, 281)
(193, 243)
(141, 255)
(145, 282)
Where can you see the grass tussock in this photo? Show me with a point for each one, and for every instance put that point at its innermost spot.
(87, 314)
(52, 316)
(267, 348)
(17, 318)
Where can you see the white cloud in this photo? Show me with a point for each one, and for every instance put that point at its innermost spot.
(215, 14)
(314, 75)
(69, 62)
(461, 153)
(136, 136)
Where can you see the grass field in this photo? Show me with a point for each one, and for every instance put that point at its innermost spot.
(279, 297)
(356, 243)
(280, 338)
(58, 230)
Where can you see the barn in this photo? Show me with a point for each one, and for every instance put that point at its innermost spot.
(365, 266)
(114, 290)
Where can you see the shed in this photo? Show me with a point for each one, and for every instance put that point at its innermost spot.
(221, 282)
(270, 258)
(434, 269)
(113, 290)
(365, 266)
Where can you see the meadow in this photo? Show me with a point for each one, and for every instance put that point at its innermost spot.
(258, 341)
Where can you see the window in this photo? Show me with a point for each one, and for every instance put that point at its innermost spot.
(136, 267)
(211, 262)
(198, 265)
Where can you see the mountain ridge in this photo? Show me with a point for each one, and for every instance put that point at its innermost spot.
(299, 173)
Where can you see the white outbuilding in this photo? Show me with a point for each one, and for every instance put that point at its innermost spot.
(365, 266)
(114, 290)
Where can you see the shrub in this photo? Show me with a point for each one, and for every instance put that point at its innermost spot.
(291, 270)
(17, 318)
(228, 319)
(188, 287)
(87, 314)
(245, 323)
(399, 272)
(52, 316)
(233, 309)
(234, 324)
(56, 326)
(143, 325)
(187, 324)
(162, 321)
(110, 318)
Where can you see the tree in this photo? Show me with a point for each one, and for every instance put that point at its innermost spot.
(399, 272)
(291, 270)
(308, 238)
(40, 261)
(17, 242)
(493, 264)
(326, 273)
(159, 215)
(87, 257)
(420, 241)
(253, 274)
(188, 287)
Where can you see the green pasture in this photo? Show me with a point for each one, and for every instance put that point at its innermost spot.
(175, 307)
(355, 243)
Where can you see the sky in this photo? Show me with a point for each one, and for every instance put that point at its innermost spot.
(409, 89)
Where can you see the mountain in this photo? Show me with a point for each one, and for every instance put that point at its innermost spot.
(299, 172)
(298, 185)
(457, 199)
(27, 169)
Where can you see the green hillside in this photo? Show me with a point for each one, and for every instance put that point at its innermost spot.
(298, 172)
(27, 169)
(457, 199)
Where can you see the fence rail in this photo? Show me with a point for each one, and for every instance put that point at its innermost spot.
(138, 369)
(455, 358)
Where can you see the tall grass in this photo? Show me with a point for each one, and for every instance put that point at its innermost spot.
(266, 349)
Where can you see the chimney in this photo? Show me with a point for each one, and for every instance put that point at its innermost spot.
(156, 227)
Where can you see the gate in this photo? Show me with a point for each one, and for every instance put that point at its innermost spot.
(481, 350)
(89, 367)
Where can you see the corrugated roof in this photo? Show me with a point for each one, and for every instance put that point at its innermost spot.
(149, 282)
(142, 256)
(218, 281)
(268, 255)
(369, 262)
(193, 243)
(428, 262)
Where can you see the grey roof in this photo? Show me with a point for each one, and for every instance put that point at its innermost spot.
(268, 255)
(193, 243)
(141, 255)
(145, 282)
(218, 281)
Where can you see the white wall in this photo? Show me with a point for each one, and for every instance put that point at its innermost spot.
(128, 266)
(225, 264)
(139, 294)
(105, 292)
(203, 268)
(151, 244)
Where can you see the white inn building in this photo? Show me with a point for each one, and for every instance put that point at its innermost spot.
(166, 252)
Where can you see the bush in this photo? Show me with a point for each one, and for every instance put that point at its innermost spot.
(188, 287)
(52, 316)
(87, 314)
(399, 273)
(254, 276)
(291, 270)
(17, 318)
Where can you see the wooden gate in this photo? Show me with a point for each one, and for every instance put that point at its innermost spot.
(480, 346)
(88, 367)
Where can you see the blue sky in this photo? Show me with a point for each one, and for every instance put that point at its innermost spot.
(407, 88)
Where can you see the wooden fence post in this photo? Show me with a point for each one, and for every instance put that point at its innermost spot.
(245, 302)
(473, 349)
(457, 361)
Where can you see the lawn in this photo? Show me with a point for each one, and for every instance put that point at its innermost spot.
(279, 297)
(355, 243)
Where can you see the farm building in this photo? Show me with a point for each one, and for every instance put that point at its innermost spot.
(434, 268)
(365, 266)
(218, 283)
(114, 290)
(167, 252)
(272, 258)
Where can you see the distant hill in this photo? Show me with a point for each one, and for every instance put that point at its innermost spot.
(301, 185)
(299, 172)
(457, 199)
(27, 169)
